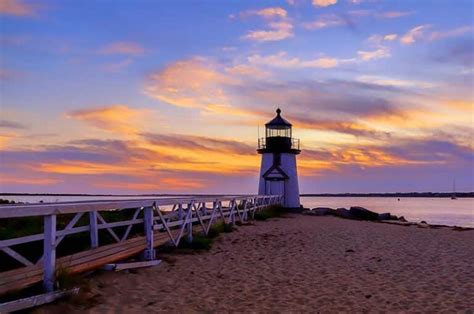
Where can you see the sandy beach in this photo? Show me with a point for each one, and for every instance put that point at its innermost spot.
(300, 264)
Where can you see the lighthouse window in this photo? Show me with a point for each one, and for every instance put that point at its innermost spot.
(278, 132)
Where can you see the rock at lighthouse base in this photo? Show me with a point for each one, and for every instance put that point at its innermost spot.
(363, 213)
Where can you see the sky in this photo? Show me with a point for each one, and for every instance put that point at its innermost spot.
(141, 97)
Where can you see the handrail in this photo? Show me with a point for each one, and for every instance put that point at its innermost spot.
(184, 213)
(42, 209)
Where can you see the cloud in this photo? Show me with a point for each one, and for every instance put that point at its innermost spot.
(414, 34)
(279, 27)
(277, 31)
(5, 138)
(329, 20)
(324, 3)
(113, 118)
(382, 52)
(393, 14)
(200, 143)
(17, 8)
(281, 60)
(340, 126)
(247, 71)
(387, 81)
(451, 33)
(14, 180)
(193, 83)
(390, 37)
(266, 13)
(11, 125)
(177, 184)
(122, 48)
(349, 18)
(404, 153)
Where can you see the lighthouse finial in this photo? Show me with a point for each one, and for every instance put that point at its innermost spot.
(278, 111)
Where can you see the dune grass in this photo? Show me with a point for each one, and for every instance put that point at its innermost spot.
(272, 211)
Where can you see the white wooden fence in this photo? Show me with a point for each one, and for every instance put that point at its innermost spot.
(175, 216)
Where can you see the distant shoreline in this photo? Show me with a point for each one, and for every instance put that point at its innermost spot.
(392, 195)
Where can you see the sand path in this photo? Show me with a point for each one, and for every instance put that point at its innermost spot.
(302, 264)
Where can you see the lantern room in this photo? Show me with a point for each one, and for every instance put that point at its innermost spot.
(278, 137)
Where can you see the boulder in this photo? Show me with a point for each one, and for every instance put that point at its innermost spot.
(363, 213)
(322, 211)
(343, 213)
(387, 216)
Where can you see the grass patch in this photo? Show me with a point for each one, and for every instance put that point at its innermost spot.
(218, 228)
(272, 211)
(199, 243)
(66, 280)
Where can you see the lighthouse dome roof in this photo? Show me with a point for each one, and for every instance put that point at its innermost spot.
(278, 121)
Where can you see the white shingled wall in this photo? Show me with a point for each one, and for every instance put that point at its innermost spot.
(291, 188)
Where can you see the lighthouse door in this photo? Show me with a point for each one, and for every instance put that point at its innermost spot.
(275, 187)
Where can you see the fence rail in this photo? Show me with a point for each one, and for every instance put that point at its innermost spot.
(173, 217)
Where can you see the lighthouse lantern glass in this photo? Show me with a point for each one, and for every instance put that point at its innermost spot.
(273, 131)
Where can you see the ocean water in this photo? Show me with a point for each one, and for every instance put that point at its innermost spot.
(60, 198)
(443, 211)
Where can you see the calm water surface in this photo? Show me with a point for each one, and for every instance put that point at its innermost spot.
(444, 211)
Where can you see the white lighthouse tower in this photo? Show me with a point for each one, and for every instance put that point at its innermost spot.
(278, 174)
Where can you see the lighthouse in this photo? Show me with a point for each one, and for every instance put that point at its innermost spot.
(278, 173)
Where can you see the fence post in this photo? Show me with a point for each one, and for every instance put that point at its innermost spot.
(180, 211)
(94, 231)
(149, 253)
(49, 247)
(232, 211)
(189, 227)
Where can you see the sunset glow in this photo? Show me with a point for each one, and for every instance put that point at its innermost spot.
(165, 97)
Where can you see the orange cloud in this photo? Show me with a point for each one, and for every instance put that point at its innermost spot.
(190, 83)
(124, 48)
(17, 8)
(163, 184)
(281, 60)
(5, 138)
(247, 70)
(266, 12)
(27, 181)
(114, 118)
(324, 3)
(277, 31)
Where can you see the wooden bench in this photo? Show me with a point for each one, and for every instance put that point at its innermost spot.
(21, 278)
